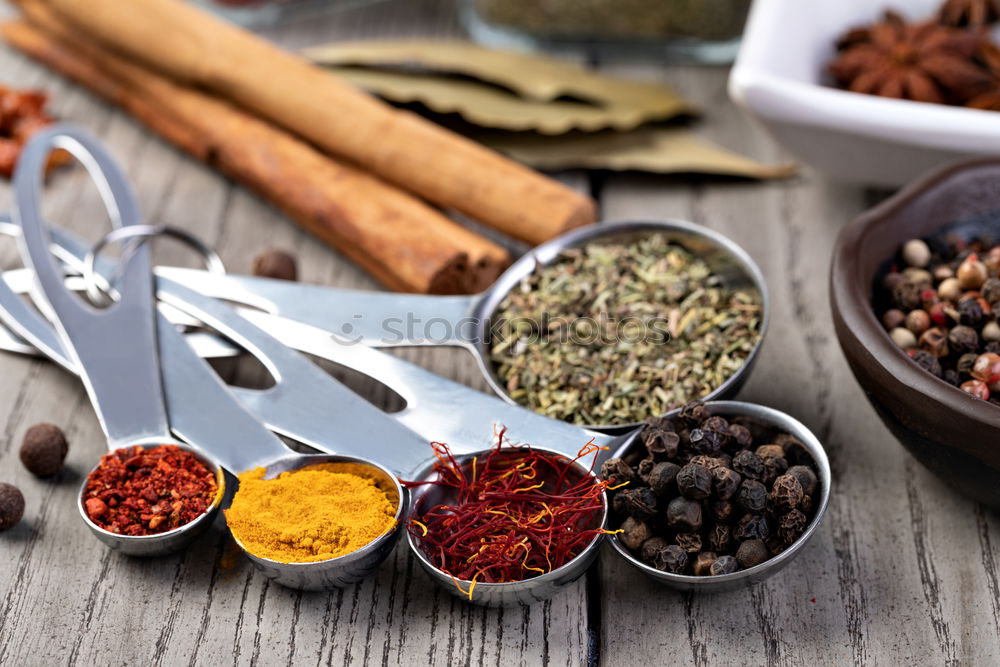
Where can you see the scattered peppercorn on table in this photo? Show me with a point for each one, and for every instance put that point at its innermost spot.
(902, 570)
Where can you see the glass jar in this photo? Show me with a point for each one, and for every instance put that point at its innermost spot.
(264, 13)
(704, 31)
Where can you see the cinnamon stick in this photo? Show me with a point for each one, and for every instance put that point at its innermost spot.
(404, 243)
(197, 49)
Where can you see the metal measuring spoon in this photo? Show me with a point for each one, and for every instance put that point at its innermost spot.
(205, 410)
(383, 319)
(114, 348)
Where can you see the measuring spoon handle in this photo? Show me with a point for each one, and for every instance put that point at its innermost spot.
(436, 407)
(114, 348)
(205, 413)
(306, 403)
(379, 319)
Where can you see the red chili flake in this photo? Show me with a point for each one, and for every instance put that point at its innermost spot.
(516, 513)
(813, 600)
(138, 491)
(22, 114)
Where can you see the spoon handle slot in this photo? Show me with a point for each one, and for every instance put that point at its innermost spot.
(112, 346)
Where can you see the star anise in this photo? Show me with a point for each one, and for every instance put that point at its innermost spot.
(971, 13)
(926, 62)
(989, 55)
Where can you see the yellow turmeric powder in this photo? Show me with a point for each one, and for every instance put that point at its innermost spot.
(312, 514)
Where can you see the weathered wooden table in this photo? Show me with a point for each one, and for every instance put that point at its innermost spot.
(904, 570)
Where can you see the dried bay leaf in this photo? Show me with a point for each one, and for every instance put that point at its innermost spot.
(488, 106)
(661, 150)
(586, 100)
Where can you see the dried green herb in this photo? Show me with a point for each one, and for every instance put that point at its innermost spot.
(615, 332)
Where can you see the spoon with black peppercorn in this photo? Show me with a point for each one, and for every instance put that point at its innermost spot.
(706, 488)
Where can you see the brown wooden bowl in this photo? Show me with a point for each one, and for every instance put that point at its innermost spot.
(953, 434)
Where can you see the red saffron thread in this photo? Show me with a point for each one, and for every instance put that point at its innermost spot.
(517, 513)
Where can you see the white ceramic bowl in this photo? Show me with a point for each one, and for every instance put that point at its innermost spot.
(780, 77)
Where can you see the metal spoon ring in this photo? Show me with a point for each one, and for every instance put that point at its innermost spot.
(99, 295)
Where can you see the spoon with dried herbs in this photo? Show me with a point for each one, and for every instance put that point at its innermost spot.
(603, 326)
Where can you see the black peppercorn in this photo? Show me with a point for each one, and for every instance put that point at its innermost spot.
(694, 413)
(775, 545)
(786, 493)
(11, 506)
(705, 441)
(645, 467)
(694, 481)
(906, 295)
(791, 526)
(807, 504)
(671, 559)
(660, 424)
(723, 510)
(935, 341)
(751, 496)
(717, 424)
(44, 449)
(634, 533)
(276, 264)
(773, 467)
(991, 290)
(741, 435)
(661, 478)
(684, 515)
(891, 279)
(720, 538)
(963, 339)
(951, 377)
(724, 565)
(806, 477)
(928, 362)
(617, 472)
(752, 527)
(651, 547)
(637, 503)
(769, 451)
(970, 312)
(703, 563)
(748, 464)
(689, 542)
(662, 445)
(966, 362)
(709, 462)
(751, 553)
(725, 482)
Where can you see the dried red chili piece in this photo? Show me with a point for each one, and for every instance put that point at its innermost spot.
(22, 114)
(136, 491)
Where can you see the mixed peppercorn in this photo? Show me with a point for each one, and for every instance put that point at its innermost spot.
(709, 496)
(140, 491)
(942, 307)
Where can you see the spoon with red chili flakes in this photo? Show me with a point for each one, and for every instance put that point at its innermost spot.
(152, 494)
(148, 491)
